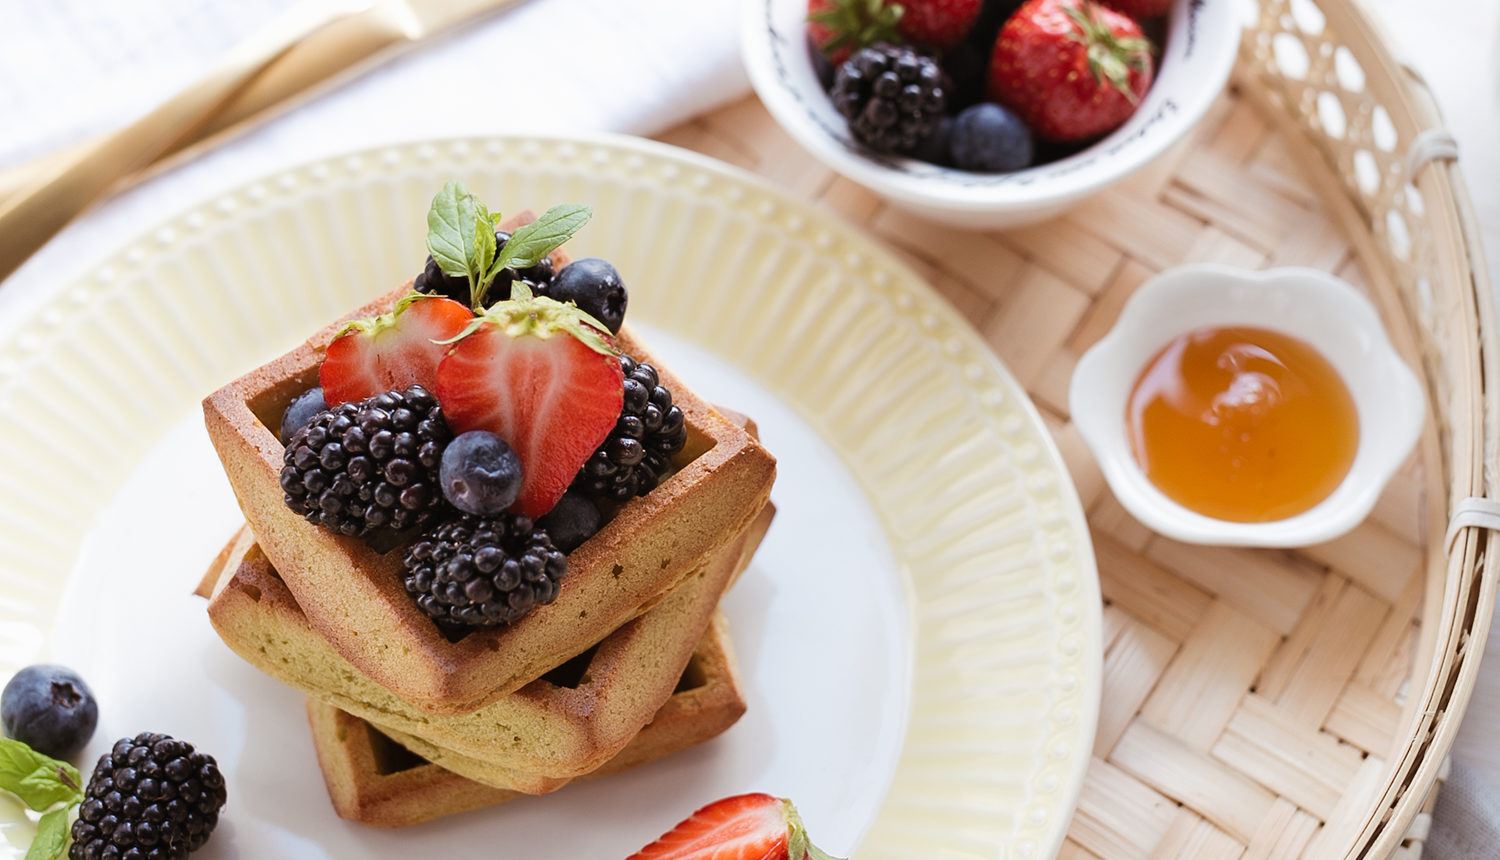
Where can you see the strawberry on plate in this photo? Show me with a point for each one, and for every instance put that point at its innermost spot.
(743, 827)
(1072, 69)
(392, 351)
(540, 375)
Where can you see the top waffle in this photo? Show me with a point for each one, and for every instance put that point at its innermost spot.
(354, 597)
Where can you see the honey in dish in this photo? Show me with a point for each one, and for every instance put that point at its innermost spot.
(1242, 424)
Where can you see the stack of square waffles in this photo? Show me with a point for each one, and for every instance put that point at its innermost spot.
(630, 663)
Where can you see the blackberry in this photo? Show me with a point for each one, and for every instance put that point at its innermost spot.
(483, 572)
(363, 467)
(648, 432)
(892, 96)
(434, 281)
(152, 797)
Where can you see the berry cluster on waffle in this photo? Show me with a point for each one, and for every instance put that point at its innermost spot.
(492, 525)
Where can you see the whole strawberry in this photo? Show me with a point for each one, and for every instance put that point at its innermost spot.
(840, 27)
(938, 24)
(1140, 10)
(1072, 69)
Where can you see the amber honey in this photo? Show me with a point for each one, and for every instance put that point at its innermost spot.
(1242, 424)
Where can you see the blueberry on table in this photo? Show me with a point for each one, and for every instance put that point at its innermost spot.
(480, 473)
(989, 138)
(595, 287)
(50, 709)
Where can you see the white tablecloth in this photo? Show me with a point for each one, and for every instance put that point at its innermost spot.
(73, 67)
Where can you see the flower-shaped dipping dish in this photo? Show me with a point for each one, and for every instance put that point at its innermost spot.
(1308, 305)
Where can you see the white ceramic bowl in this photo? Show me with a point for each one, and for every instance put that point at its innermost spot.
(1195, 64)
(1308, 304)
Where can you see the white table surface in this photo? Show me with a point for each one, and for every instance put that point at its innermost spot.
(1453, 43)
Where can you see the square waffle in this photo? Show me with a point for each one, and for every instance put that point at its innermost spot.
(559, 726)
(373, 780)
(353, 595)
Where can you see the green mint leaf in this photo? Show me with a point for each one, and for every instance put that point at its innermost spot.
(536, 240)
(51, 835)
(40, 781)
(450, 231)
(484, 258)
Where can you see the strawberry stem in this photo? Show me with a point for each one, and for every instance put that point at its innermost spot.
(799, 844)
(857, 23)
(1111, 57)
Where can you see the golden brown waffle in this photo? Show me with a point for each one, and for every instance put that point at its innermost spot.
(354, 596)
(373, 780)
(564, 724)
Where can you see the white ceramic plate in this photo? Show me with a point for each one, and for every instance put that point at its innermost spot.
(919, 633)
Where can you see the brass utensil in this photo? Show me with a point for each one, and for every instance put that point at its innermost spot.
(313, 45)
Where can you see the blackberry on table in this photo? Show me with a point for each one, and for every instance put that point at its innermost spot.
(483, 572)
(151, 797)
(434, 281)
(636, 454)
(892, 96)
(368, 466)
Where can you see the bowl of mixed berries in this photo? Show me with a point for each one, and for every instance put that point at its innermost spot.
(988, 113)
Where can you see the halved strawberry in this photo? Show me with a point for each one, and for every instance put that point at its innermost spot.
(391, 351)
(743, 827)
(539, 375)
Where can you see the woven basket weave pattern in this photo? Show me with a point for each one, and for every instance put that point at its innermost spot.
(1256, 703)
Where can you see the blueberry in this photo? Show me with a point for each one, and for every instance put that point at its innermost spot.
(480, 474)
(988, 138)
(50, 709)
(595, 287)
(299, 413)
(936, 147)
(574, 520)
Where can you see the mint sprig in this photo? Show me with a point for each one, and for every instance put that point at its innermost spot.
(51, 838)
(461, 238)
(530, 243)
(41, 782)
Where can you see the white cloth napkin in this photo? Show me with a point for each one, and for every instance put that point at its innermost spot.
(73, 68)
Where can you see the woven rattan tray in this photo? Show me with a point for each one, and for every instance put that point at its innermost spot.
(1256, 703)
